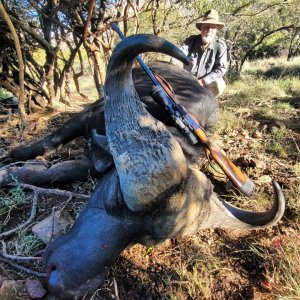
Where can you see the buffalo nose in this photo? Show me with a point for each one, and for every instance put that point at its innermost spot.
(55, 283)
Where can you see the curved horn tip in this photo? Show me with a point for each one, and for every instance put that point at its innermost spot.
(134, 45)
(279, 197)
(276, 185)
(258, 220)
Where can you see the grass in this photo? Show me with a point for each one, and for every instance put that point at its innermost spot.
(266, 99)
(293, 196)
(228, 121)
(3, 93)
(296, 169)
(258, 86)
(11, 199)
(256, 122)
(25, 243)
(284, 278)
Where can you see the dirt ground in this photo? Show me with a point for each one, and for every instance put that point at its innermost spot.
(214, 264)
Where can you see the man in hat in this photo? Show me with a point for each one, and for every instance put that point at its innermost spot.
(207, 54)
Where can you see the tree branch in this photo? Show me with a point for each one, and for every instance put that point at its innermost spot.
(36, 36)
(261, 40)
(16, 257)
(30, 219)
(23, 269)
(56, 192)
(12, 29)
(88, 19)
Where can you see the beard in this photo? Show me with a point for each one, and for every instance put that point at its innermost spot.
(207, 39)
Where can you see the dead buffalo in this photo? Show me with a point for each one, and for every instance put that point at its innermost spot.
(151, 189)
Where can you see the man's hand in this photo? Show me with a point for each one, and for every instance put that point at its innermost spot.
(201, 82)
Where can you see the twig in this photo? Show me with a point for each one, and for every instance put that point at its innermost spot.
(52, 223)
(116, 288)
(297, 147)
(30, 219)
(23, 162)
(23, 269)
(16, 257)
(64, 204)
(55, 192)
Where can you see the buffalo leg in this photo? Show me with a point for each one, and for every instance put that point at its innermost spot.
(79, 125)
(39, 174)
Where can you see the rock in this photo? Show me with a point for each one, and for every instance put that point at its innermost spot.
(2, 279)
(244, 111)
(52, 227)
(256, 163)
(257, 134)
(13, 290)
(265, 179)
(274, 129)
(280, 124)
(35, 289)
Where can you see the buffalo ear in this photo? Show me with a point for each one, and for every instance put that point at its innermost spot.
(101, 156)
(101, 141)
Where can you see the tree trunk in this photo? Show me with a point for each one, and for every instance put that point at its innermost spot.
(68, 95)
(49, 75)
(11, 27)
(99, 66)
(47, 27)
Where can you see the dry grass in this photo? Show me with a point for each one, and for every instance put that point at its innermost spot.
(258, 121)
(270, 89)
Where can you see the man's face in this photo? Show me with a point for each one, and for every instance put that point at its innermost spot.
(208, 32)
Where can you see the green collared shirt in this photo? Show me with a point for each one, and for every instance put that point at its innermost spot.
(208, 64)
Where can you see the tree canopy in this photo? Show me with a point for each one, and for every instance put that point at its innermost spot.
(54, 34)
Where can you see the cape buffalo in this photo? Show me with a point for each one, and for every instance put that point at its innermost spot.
(151, 189)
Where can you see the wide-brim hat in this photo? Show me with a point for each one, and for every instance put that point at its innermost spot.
(210, 17)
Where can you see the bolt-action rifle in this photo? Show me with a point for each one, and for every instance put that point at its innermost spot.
(163, 94)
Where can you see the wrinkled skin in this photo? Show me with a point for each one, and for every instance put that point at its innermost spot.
(91, 120)
(152, 190)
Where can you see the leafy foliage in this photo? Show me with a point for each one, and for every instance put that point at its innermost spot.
(56, 35)
(11, 199)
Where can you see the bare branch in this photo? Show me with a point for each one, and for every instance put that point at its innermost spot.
(56, 192)
(30, 219)
(88, 19)
(258, 12)
(36, 36)
(17, 257)
(260, 40)
(51, 18)
(12, 29)
(23, 269)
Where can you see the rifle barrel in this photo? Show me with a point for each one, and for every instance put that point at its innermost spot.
(116, 28)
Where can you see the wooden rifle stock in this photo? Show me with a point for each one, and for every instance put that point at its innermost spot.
(239, 180)
(165, 96)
